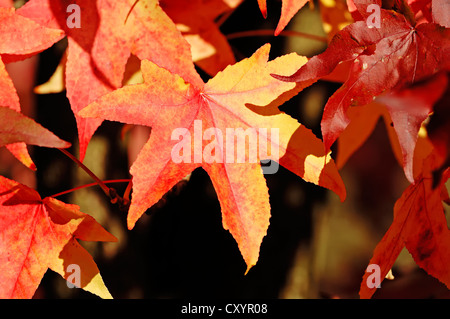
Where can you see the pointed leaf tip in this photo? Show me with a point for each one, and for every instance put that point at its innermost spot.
(283, 78)
(16, 127)
(263, 7)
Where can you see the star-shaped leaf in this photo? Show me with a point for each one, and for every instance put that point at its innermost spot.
(98, 51)
(392, 57)
(37, 234)
(419, 225)
(195, 125)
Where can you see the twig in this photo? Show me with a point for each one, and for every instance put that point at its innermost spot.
(109, 191)
(269, 32)
(90, 185)
(88, 171)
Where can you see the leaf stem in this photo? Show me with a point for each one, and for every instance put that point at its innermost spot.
(269, 32)
(90, 185)
(123, 203)
(100, 183)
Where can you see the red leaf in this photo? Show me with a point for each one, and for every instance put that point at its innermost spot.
(172, 106)
(409, 108)
(420, 226)
(439, 133)
(363, 120)
(392, 57)
(37, 234)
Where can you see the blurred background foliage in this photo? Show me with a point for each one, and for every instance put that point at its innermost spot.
(316, 247)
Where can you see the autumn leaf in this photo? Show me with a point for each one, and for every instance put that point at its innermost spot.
(6, 3)
(98, 51)
(288, 9)
(420, 226)
(408, 108)
(391, 57)
(441, 12)
(404, 114)
(209, 47)
(9, 98)
(362, 123)
(439, 133)
(37, 234)
(19, 38)
(437, 11)
(363, 120)
(243, 96)
(16, 127)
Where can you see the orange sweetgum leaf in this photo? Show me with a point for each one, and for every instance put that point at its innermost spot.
(16, 127)
(37, 234)
(6, 3)
(209, 47)
(189, 129)
(9, 98)
(19, 38)
(288, 9)
(98, 51)
(419, 225)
